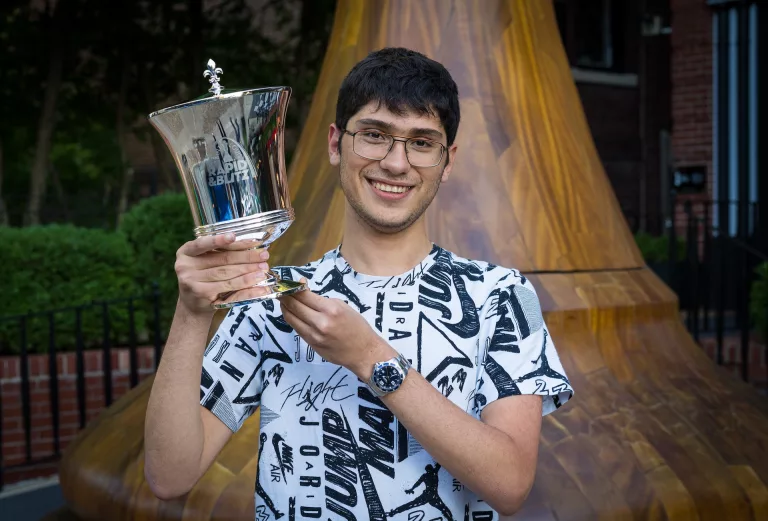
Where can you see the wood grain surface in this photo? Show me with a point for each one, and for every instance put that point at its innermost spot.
(655, 430)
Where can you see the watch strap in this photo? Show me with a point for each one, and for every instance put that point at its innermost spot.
(404, 363)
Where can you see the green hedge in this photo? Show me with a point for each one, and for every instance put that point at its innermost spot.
(62, 266)
(655, 248)
(156, 228)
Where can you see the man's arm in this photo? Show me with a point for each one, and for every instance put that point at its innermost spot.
(495, 458)
(181, 437)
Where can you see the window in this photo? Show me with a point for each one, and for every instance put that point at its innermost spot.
(592, 33)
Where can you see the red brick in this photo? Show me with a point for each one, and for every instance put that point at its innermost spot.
(12, 423)
(13, 453)
(68, 430)
(40, 408)
(13, 442)
(691, 63)
(15, 435)
(10, 390)
(40, 422)
(42, 448)
(10, 367)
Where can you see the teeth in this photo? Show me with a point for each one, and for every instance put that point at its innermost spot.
(390, 188)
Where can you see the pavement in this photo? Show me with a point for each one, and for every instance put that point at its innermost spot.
(30, 500)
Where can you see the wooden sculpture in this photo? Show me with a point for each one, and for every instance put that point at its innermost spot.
(655, 430)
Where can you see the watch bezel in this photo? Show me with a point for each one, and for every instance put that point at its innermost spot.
(399, 364)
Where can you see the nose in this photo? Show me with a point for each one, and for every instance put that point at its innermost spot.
(396, 162)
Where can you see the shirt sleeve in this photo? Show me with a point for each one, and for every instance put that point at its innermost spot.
(231, 383)
(518, 355)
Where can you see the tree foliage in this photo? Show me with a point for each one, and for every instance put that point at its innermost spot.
(121, 60)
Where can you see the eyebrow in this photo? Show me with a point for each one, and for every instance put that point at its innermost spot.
(389, 128)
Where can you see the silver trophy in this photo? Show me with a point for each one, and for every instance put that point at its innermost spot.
(228, 148)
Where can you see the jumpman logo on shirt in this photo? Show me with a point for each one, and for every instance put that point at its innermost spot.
(429, 496)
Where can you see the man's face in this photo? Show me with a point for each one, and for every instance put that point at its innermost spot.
(389, 194)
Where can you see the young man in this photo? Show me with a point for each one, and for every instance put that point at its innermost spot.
(409, 383)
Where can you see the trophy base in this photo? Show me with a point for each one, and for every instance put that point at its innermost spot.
(278, 288)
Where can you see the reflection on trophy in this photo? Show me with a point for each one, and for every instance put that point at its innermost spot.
(228, 147)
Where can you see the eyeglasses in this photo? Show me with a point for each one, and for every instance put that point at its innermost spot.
(375, 145)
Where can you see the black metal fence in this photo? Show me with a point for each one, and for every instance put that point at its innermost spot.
(713, 251)
(146, 306)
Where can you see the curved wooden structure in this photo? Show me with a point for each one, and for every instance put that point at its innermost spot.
(655, 431)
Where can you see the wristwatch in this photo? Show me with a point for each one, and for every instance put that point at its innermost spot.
(388, 376)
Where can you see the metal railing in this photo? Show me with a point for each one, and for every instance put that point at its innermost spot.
(715, 274)
(148, 306)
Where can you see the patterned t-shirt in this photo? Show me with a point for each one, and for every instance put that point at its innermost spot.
(328, 448)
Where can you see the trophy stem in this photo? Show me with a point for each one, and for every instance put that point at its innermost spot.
(278, 288)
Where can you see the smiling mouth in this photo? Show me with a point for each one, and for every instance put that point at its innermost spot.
(390, 188)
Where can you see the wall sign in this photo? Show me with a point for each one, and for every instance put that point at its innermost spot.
(690, 179)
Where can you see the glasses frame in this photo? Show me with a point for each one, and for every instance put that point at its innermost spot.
(404, 140)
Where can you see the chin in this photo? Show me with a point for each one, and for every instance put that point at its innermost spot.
(387, 224)
(388, 227)
(383, 218)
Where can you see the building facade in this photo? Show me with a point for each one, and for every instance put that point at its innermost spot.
(673, 92)
(619, 51)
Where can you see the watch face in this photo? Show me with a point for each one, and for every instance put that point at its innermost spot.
(388, 377)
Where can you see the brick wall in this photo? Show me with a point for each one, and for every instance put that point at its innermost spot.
(691, 64)
(13, 442)
(691, 41)
(757, 357)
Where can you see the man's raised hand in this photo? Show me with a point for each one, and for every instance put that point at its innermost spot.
(214, 268)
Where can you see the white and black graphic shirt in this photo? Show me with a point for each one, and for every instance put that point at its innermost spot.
(328, 448)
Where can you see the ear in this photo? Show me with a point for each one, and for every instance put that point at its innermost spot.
(334, 153)
(451, 152)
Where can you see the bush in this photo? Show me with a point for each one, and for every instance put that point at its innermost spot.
(155, 228)
(655, 248)
(758, 301)
(62, 266)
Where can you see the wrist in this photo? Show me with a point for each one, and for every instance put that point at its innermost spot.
(379, 352)
(197, 323)
(187, 313)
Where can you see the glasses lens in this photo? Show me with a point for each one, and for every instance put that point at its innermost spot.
(372, 144)
(422, 152)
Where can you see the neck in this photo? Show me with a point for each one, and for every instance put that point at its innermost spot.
(383, 254)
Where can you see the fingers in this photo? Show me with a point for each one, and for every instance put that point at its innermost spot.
(199, 255)
(295, 305)
(206, 243)
(223, 249)
(245, 281)
(229, 272)
(219, 268)
(213, 291)
(245, 294)
(295, 322)
(311, 300)
(228, 258)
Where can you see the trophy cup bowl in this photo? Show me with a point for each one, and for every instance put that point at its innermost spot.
(228, 149)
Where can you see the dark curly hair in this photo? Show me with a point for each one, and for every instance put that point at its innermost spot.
(402, 80)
